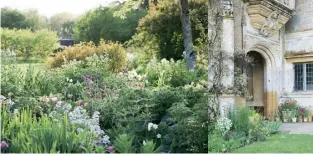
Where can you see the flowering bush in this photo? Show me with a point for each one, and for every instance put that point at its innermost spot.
(223, 125)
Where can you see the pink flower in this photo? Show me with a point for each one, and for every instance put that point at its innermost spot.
(4, 145)
(110, 149)
(54, 100)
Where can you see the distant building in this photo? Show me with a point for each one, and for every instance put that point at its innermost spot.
(66, 41)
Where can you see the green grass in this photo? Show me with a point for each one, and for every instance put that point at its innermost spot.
(281, 143)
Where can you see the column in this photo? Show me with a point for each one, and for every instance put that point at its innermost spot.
(227, 47)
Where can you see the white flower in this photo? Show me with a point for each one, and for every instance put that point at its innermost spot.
(144, 143)
(67, 79)
(79, 130)
(223, 125)
(155, 126)
(71, 81)
(15, 112)
(159, 136)
(150, 125)
(105, 139)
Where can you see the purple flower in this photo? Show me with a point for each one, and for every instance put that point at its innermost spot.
(80, 102)
(4, 145)
(110, 149)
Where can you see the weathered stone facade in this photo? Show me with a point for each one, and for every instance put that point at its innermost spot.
(281, 32)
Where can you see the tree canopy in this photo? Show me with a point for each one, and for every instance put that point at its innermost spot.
(101, 23)
(161, 30)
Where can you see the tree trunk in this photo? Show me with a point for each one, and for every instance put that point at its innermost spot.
(188, 45)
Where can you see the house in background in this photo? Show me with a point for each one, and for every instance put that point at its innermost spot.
(66, 41)
(278, 35)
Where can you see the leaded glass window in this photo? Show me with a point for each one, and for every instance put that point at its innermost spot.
(303, 76)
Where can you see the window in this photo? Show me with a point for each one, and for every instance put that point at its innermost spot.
(303, 76)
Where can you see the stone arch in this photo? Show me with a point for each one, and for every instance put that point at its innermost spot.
(270, 92)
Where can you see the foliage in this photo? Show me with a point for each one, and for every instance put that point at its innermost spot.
(150, 147)
(28, 44)
(45, 43)
(289, 104)
(240, 119)
(160, 31)
(25, 133)
(170, 73)
(62, 23)
(34, 20)
(100, 23)
(123, 143)
(114, 51)
(179, 113)
(223, 125)
(31, 83)
(248, 127)
(12, 18)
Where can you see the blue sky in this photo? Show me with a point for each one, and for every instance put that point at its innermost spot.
(50, 7)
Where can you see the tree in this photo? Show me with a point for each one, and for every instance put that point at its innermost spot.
(188, 45)
(34, 20)
(100, 23)
(161, 31)
(44, 43)
(12, 18)
(61, 21)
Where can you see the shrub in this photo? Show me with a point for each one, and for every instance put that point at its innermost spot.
(169, 73)
(78, 51)
(114, 51)
(180, 114)
(29, 44)
(92, 65)
(29, 82)
(240, 118)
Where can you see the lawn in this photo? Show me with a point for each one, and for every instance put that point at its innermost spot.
(281, 143)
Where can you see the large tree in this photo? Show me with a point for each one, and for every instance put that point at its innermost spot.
(101, 23)
(12, 18)
(62, 23)
(34, 20)
(188, 45)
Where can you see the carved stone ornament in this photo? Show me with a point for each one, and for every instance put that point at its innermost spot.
(270, 25)
(227, 8)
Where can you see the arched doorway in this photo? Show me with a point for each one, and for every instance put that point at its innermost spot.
(256, 77)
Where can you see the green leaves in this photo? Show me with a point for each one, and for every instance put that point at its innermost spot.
(123, 143)
(150, 148)
(28, 134)
(28, 44)
(101, 23)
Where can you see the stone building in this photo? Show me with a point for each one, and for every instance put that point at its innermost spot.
(278, 35)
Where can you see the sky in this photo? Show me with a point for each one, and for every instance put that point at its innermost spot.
(51, 7)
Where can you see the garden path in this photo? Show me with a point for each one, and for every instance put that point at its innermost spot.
(297, 128)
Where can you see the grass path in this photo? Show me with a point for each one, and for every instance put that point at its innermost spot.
(281, 143)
